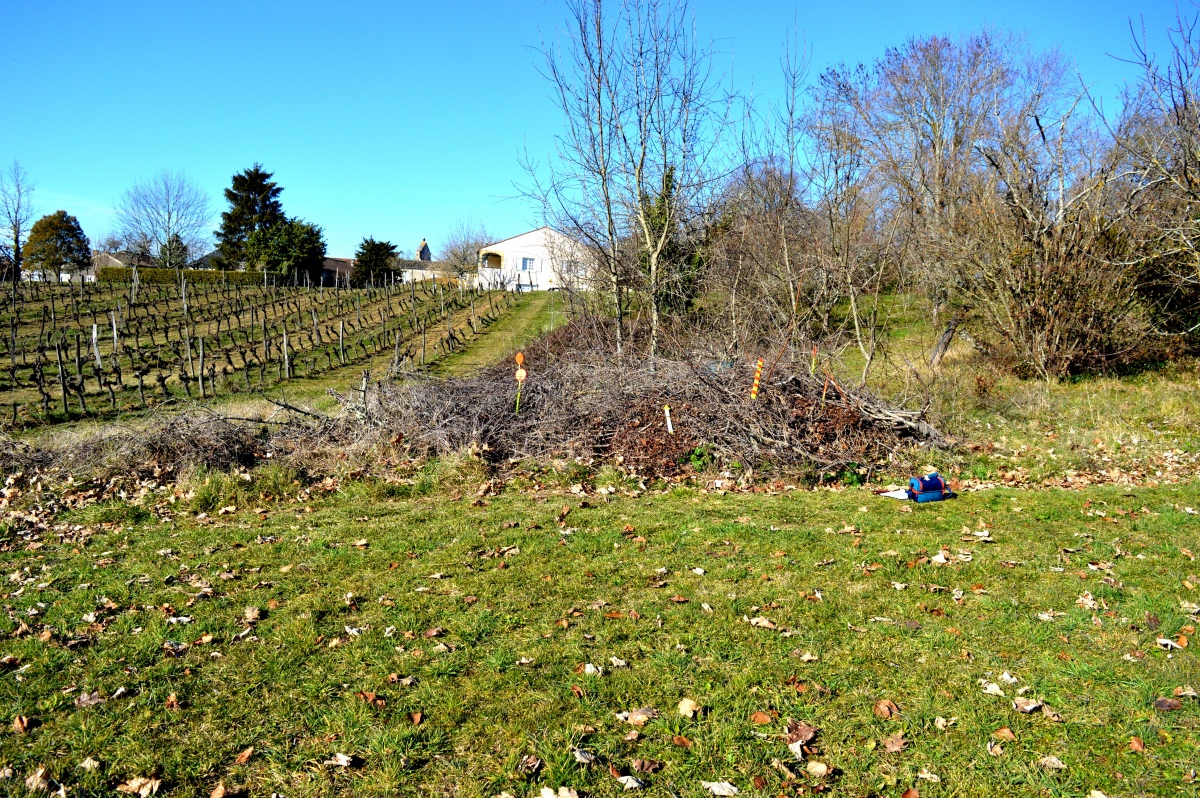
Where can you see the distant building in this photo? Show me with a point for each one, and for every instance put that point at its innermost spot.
(423, 252)
(539, 260)
(336, 271)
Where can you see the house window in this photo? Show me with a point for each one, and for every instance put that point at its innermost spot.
(526, 264)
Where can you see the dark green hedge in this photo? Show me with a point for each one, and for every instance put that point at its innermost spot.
(121, 274)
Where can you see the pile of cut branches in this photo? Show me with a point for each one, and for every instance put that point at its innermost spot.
(581, 401)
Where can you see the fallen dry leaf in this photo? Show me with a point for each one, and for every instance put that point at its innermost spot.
(1164, 704)
(994, 749)
(1052, 763)
(646, 765)
(142, 787)
(817, 769)
(688, 708)
(37, 781)
(370, 698)
(1136, 745)
(681, 741)
(895, 743)
(89, 764)
(1004, 733)
(911, 792)
(886, 708)
(244, 756)
(630, 782)
(1026, 705)
(719, 787)
(638, 717)
(22, 724)
(760, 718)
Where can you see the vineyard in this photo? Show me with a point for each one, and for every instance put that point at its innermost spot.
(96, 350)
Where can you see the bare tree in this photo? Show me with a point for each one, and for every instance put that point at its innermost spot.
(16, 211)
(169, 214)
(1158, 140)
(638, 153)
(460, 252)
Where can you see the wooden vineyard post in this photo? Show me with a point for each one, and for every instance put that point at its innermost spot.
(62, 380)
(422, 342)
(342, 341)
(287, 367)
(96, 346)
(201, 374)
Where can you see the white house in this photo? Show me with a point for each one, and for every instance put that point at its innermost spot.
(540, 260)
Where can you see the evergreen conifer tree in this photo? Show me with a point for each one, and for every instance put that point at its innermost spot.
(253, 205)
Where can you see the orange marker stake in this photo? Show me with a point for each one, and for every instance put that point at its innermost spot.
(757, 379)
(521, 375)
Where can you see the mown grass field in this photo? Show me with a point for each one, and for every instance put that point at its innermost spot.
(362, 590)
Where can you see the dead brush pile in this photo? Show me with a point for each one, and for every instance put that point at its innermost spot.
(580, 401)
(161, 447)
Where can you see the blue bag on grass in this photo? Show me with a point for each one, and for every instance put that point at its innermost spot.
(929, 488)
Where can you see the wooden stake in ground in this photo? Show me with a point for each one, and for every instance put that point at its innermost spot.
(521, 375)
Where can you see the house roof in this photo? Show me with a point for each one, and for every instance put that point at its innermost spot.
(338, 265)
(518, 235)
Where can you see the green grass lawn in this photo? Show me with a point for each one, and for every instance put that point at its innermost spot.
(475, 651)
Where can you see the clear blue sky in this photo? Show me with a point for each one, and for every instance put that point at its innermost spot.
(396, 119)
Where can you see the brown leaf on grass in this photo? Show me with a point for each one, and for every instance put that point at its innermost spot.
(797, 731)
(22, 724)
(1051, 714)
(886, 709)
(1052, 763)
(681, 741)
(1136, 745)
(689, 708)
(646, 765)
(172, 703)
(139, 786)
(678, 599)
(638, 717)
(1004, 733)
(1185, 691)
(251, 615)
(435, 631)
(759, 783)
(911, 792)
(1164, 704)
(218, 791)
(994, 749)
(416, 718)
(760, 718)
(392, 678)
(894, 744)
(577, 690)
(762, 623)
(1026, 705)
(376, 701)
(244, 756)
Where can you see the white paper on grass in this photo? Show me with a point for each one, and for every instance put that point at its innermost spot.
(896, 494)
